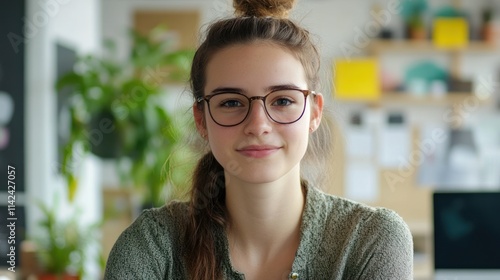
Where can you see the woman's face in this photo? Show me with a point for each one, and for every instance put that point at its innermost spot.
(258, 150)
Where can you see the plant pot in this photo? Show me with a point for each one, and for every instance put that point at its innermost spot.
(58, 277)
(418, 34)
(489, 33)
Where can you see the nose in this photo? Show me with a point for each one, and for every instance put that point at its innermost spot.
(257, 121)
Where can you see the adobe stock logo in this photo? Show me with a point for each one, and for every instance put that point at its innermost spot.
(48, 9)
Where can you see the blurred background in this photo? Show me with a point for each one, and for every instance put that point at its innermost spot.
(95, 122)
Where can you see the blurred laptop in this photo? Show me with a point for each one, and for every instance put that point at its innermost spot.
(466, 235)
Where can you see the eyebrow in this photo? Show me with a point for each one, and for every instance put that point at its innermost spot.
(242, 91)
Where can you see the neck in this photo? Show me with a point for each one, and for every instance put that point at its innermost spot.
(265, 218)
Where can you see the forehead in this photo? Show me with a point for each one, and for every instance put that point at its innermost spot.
(254, 66)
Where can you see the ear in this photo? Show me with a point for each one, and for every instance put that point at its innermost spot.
(199, 119)
(316, 111)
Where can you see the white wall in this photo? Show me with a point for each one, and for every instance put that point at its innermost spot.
(76, 24)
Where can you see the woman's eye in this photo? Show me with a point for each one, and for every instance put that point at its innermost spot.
(231, 103)
(282, 102)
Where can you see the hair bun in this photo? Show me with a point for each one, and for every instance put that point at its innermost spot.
(263, 8)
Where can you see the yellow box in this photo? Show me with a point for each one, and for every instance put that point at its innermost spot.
(449, 33)
(356, 79)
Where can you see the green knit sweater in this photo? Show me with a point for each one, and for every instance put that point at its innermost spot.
(340, 239)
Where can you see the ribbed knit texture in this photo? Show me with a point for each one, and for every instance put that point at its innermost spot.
(340, 239)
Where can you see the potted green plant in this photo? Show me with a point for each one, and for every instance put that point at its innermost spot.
(62, 246)
(117, 111)
(413, 15)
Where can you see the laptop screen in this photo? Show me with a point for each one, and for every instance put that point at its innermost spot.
(467, 230)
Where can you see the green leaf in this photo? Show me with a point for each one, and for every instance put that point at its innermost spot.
(128, 89)
(69, 79)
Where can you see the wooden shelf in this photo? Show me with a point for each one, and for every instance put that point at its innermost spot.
(380, 46)
(402, 98)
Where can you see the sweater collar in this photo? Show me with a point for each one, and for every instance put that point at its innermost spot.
(311, 234)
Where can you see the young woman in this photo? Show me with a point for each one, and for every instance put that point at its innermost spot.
(251, 214)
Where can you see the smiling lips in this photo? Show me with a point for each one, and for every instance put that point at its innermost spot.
(256, 151)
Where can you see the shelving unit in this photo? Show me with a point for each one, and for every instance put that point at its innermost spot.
(413, 202)
(407, 99)
(377, 48)
(381, 46)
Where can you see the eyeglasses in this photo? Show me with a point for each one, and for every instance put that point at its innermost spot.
(284, 106)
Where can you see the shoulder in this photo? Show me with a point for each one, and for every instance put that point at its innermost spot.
(352, 214)
(153, 238)
(375, 242)
(172, 214)
(165, 221)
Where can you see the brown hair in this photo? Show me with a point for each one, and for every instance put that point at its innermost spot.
(258, 20)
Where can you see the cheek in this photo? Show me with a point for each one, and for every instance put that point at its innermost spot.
(301, 133)
(219, 138)
(298, 133)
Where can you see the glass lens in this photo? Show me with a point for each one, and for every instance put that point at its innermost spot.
(282, 106)
(229, 108)
(285, 106)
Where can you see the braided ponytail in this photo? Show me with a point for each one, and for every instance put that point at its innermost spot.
(206, 211)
